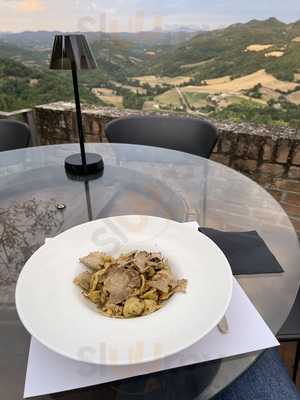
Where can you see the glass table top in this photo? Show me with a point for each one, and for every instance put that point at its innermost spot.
(38, 200)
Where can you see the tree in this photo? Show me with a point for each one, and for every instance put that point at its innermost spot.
(130, 100)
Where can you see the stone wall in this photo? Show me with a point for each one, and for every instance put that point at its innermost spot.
(269, 155)
(56, 122)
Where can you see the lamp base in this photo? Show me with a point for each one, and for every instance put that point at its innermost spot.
(74, 166)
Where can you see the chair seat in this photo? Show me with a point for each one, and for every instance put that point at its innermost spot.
(291, 328)
(185, 134)
(13, 135)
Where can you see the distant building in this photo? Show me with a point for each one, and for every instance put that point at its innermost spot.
(158, 23)
(103, 22)
(139, 21)
(115, 26)
(131, 24)
(34, 82)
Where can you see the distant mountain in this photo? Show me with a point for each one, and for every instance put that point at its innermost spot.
(11, 51)
(184, 28)
(123, 55)
(29, 57)
(14, 69)
(31, 40)
(116, 55)
(201, 55)
(157, 38)
(22, 86)
(44, 39)
(224, 51)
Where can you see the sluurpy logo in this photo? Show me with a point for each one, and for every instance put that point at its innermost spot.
(113, 234)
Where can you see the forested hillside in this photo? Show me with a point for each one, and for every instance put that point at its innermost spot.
(245, 72)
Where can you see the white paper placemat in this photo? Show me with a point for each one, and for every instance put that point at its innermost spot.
(49, 372)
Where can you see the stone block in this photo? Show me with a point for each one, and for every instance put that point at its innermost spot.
(86, 123)
(253, 150)
(221, 158)
(294, 173)
(245, 165)
(283, 151)
(96, 127)
(287, 185)
(242, 147)
(292, 198)
(225, 145)
(69, 119)
(62, 122)
(216, 148)
(268, 150)
(296, 155)
(277, 194)
(264, 180)
(272, 169)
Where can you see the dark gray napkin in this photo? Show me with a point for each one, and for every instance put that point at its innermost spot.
(246, 252)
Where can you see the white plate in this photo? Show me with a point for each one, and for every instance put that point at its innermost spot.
(54, 311)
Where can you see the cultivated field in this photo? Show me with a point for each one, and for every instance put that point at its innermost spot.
(246, 82)
(153, 80)
(258, 47)
(294, 98)
(226, 100)
(199, 64)
(133, 89)
(276, 54)
(150, 106)
(135, 60)
(297, 76)
(218, 81)
(116, 101)
(196, 100)
(268, 94)
(169, 98)
(102, 92)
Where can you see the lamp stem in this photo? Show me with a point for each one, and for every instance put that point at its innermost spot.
(88, 200)
(78, 115)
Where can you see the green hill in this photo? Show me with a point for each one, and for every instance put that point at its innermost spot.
(222, 52)
(22, 86)
(117, 59)
(232, 52)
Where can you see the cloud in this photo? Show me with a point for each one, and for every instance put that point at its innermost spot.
(69, 15)
(31, 6)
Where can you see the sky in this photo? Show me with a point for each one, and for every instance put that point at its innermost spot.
(136, 15)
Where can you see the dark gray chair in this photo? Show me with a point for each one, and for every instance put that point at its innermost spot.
(190, 135)
(13, 135)
(290, 332)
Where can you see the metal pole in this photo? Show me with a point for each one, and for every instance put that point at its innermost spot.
(78, 115)
(296, 362)
(88, 200)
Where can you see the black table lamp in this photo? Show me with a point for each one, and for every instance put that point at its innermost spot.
(72, 52)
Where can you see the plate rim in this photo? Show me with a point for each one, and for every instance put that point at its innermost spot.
(121, 363)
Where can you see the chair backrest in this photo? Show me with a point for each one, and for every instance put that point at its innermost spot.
(13, 135)
(191, 135)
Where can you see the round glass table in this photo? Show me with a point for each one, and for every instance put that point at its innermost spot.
(38, 201)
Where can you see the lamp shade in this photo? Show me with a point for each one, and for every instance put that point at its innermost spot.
(72, 52)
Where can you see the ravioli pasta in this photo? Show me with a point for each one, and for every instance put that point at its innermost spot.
(134, 284)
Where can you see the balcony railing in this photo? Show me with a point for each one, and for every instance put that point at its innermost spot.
(268, 154)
